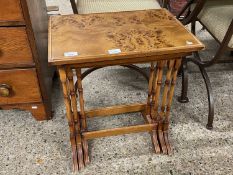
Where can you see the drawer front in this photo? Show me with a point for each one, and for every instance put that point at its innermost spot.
(14, 47)
(10, 10)
(19, 86)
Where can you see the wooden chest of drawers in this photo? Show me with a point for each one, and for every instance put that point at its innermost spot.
(25, 78)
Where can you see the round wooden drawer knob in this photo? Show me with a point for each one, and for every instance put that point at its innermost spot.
(5, 90)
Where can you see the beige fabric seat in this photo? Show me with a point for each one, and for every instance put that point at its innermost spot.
(217, 15)
(99, 6)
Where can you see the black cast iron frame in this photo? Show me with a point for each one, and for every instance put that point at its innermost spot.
(192, 17)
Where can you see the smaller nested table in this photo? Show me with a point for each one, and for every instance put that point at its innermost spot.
(121, 38)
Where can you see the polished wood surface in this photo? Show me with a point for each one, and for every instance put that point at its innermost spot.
(10, 12)
(23, 86)
(153, 36)
(24, 44)
(15, 49)
(136, 34)
(36, 18)
(128, 61)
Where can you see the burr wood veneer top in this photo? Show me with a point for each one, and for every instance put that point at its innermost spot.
(134, 34)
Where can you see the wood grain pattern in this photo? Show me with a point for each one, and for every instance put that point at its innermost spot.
(36, 20)
(143, 36)
(138, 33)
(24, 86)
(14, 47)
(23, 44)
(10, 11)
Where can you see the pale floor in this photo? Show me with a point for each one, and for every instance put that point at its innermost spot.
(43, 148)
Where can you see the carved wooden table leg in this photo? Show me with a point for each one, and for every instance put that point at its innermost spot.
(152, 114)
(147, 113)
(170, 96)
(83, 117)
(156, 85)
(159, 133)
(69, 115)
(155, 101)
(170, 65)
(76, 118)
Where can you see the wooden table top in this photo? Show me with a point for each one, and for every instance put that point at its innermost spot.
(120, 35)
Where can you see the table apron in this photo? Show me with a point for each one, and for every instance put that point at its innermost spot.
(136, 60)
